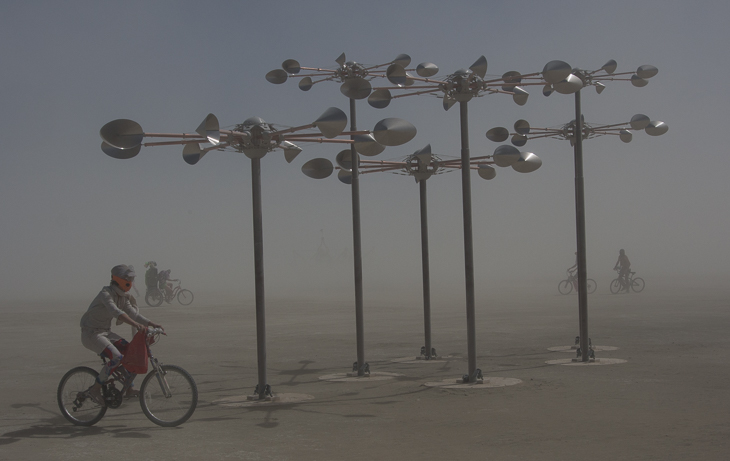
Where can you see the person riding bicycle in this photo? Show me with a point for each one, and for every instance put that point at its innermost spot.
(574, 268)
(164, 283)
(111, 303)
(150, 276)
(624, 268)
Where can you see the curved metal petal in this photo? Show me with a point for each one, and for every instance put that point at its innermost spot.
(556, 71)
(570, 85)
(498, 134)
(192, 153)
(356, 88)
(519, 140)
(341, 59)
(646, 71)
(366, 145)
(332, 122)
(393, 131)
(599, 87)
(344, 159)
(625, 136)
(255, 152)
(519, 96)
(305, 84)
(522, 126)
(291, 66)
(409, 79)
(427, 69)
(448, 102)
(121, 154)
(318, 168)
(547, 90)
(486, 172)
(639, 122)
(511, 79)
(402, 60)
(610, 67)
(345, 176)
(396, 74)
(656, 128)
(527, 163)
(480, 66)
(380, 99)
(277, 76)
(638, 81)
(291, 150)
(210, 128)
(505, 156)
(122, 133)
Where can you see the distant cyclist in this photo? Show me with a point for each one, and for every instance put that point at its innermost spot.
(624, 268)
(150, 276)
(164, 283)
(574, 267)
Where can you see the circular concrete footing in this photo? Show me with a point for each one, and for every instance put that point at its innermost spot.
(346, 378)
(487, 383)
(239, 401)
(583, 364)
(421, 359)
(573, 348)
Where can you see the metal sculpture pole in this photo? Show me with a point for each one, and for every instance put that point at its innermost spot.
(580, 226)
(428, 348)
(258, 250)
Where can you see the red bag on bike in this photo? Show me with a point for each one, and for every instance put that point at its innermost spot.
(135, 359)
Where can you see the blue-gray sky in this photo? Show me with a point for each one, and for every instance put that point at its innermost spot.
(69, 212)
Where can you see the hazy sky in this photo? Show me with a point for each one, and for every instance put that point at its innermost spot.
(69, 212)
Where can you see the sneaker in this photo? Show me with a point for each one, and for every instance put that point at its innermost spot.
(95, 394)
(132, 393)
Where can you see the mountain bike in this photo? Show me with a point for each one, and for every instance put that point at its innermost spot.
(636, 283)
(155, 296)
(168, 394)
(571, 283)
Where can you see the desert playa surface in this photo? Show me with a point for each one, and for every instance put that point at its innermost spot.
(659, 389)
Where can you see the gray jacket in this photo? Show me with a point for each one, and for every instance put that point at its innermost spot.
(110, 303)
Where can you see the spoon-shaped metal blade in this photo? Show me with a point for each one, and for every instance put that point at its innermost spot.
(656, 128)
(396, 74)
(599, 87)
(427, 69)
(305, 84)
(366, 145)
(547, 90)
(625, 136)
(519, 140)
(122, 133)
(121, 154)
(638, 81)
(505, 156)
(480, 67)
(291, 66)
(522, 126)
(210, 128)
(511, 79)
(639, 122)
(448, 102)
(356, 88)
(402, 60)
(393, 131)
(646, 71)
(291, 150)
(610, 67)
(570, 85)
(318, 168)
(341, 59)
(556, 71)
(498, 134)
(277, 76)
(345, 176)
(192, 153)
(332, 122)
(344, 159)
(424, 154)
(486, 172)
(519, 96)
(380, 99)
(527, 163)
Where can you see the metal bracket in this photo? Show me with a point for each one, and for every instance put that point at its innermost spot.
(477, 376)
(267, 391)
(433, 352)
(365, 368)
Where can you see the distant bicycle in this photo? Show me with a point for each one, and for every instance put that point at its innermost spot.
(571, 283)
(636, 283)
(155, 296)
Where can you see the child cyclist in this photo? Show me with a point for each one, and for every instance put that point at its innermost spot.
(111, 303)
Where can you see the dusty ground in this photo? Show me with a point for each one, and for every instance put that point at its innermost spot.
(668, 401)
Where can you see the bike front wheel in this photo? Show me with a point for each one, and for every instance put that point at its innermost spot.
(169, 398)
(74, 399)
(185, 297)
(591, 286)
(615, 286)
(153, 298)
(637, 284)
(565, 287)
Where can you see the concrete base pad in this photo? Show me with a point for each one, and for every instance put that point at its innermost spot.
(488, 382)
(422, 359)
(346, 378)
(278, 399)
(573, 348)
(600, 361)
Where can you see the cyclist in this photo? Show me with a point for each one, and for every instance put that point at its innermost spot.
(624, 267)
(164, 280)
(574, 267)
(150, 276)
(112, 302)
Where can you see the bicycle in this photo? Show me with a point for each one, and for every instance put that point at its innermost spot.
(168, 394)
(571, 283)
(155, 296)
(636, 283)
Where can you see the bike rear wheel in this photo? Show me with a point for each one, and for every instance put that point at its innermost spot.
(615, 286)
(175, 408)
(74, 400)
(565, 287)
(637, 284)
(591, 286)
(153, 298)
(185, 297)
